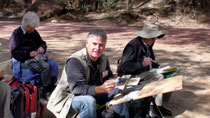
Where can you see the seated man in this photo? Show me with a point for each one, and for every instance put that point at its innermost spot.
(138, 58)
(87, 82)
(5, 97)
(26, 44)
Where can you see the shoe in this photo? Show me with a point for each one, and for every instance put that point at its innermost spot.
(165, 112)
(45, 95)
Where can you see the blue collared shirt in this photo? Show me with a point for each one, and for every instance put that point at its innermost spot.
(148, 52)
(23, 29)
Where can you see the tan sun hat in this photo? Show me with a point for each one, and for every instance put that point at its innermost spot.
(150, 31)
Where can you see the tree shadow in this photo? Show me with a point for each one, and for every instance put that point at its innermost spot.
(186, 99)
(186, 36)
(181, 101)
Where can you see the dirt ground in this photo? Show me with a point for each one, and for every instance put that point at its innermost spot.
(185, 48)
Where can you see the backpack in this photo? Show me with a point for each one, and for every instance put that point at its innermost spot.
(25, 100)
(26, 74)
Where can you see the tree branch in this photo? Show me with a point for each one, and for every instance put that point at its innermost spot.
(141, 4)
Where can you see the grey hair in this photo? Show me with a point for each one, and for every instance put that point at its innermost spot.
(31, 19)
(97, 32)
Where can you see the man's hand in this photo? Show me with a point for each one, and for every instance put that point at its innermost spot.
(109, 85)
(106, 87)
(147, 61)
(41, 50)
(34, 53)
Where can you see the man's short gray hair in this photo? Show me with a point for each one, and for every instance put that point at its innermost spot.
(97, 32)
(30, 19)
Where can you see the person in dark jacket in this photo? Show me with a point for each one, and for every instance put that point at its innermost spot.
(138, 58)
(26, 44)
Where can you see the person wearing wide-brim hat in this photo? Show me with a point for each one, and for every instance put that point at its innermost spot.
(138, 58)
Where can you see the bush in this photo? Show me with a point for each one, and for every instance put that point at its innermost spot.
(108, 4)
(1, 3)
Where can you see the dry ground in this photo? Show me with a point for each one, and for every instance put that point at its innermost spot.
(185, 48)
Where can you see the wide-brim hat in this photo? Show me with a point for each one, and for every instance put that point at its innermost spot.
(150, 31)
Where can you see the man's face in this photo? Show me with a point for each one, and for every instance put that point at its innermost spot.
(150, 41)
(95, 47)
(29, 29)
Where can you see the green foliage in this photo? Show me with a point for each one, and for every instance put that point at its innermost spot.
(87, 8)
(7, 3)
(195, 4)
(163, 11)
(63, 1)
(108, 4)
(1, 3)
(203, 18)
(129, 6)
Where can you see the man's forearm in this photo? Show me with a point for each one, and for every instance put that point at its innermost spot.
(99, 89)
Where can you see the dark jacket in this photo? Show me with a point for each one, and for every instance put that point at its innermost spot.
(133, 56)
(76, 76)
(22, 44)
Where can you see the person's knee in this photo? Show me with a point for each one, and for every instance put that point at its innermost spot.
(46, 66)
(90, 101)
(84, 102)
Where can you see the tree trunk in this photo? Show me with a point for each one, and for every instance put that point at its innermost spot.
(129, 5)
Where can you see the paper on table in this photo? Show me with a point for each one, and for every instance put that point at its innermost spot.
(150, 89)
(127, 81)
(132, 95)
(134, 81)
(162, 70)
(166, 69)
(161, 86)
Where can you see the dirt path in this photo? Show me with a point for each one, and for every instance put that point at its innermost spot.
(187, 49)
